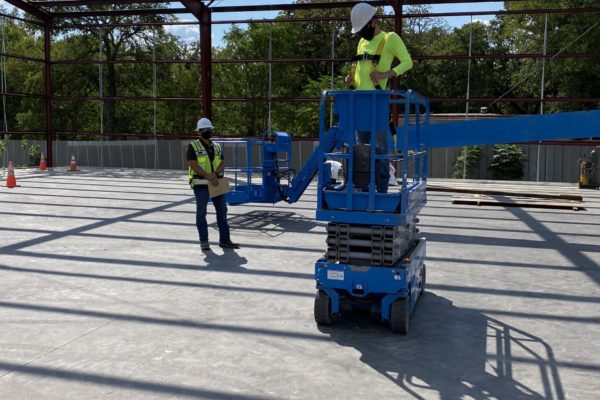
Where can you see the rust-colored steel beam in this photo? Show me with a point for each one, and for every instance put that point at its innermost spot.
(126, 98)
(120, 13)
(292, 7)
(48, 91)
(449, 57)
(206, 59)
(571, 10)
(194, 7)
(83, 62)
(29, 21)
(330, 5)
(30, 9)
(397, 7)
(19, 57)
(566, 10)
(316, 99)
(125, 25)
(327, 19)
(515, 100)
(25, 95)
(78, 3)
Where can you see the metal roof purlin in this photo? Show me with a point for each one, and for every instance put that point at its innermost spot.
(69, 3)
(195, 7)
(30, 9)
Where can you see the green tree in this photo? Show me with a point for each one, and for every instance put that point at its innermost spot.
(506, 162)
(570, 33)
(473, 156)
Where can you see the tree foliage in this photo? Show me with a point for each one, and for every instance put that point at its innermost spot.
(507, 162)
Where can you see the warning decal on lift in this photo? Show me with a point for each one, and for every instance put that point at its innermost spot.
(335, 275)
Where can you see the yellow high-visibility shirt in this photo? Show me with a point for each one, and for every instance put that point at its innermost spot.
(394, 48)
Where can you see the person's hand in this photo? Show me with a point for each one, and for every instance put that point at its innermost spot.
(212, 178)
(349, 79)
(377, 75)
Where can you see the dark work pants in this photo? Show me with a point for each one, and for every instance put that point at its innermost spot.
(220, 204)
(382, 167)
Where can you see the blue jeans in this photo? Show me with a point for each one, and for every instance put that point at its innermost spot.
(220, 204)
(382, 167)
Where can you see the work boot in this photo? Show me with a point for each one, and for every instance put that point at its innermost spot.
(229, 245)
(204, 246)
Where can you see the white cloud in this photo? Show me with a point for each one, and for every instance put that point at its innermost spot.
(482, 21)
(187, 33)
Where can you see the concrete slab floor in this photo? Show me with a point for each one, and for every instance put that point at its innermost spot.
(104, 293)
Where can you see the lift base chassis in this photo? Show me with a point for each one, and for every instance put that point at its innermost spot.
(390, 293)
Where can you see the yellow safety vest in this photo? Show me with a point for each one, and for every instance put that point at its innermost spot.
(362, 56)
(204, 162)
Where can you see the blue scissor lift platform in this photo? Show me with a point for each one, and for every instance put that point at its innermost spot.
(375, 258)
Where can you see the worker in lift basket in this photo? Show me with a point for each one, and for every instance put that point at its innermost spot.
(372, 70)
(205, 162)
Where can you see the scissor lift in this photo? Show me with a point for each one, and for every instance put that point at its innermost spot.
(375, 259)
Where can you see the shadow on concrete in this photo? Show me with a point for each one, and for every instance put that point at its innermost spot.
(498, 263)
(147, 281)
(152, 388)
(423, 227)
(160, 321)
(272, 223)
(551, 241)
(571, 251)
(515, 293)
(453, 353)
(229, 261)
(98, 224)
(85, 196)
(157, 264)
(504, 219)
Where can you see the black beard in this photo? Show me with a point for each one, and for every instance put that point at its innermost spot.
(206, 135)
(368, 32)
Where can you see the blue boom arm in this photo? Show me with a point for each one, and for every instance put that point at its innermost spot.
(568, 125)
(369, 111)
(292, 192)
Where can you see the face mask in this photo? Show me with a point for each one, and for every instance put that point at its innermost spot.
(206, 134)
(368, 32)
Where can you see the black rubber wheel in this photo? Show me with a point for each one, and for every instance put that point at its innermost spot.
(423, 279)
(322, 308)
(399, 316)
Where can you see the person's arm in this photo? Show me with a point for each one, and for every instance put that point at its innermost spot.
(212, 178)
(220, 168)
(401, 53)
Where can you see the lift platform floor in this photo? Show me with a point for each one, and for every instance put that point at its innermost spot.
(104, 293)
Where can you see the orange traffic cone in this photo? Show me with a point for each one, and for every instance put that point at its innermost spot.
(11, 181)
(73, 165)
(43, 165)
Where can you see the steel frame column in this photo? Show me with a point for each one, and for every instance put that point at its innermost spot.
(206, 60)
(48, 92)
(397, 7)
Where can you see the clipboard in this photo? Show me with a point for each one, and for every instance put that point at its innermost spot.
(219, 190)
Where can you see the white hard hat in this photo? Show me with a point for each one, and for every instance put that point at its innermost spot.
(203, 123)
(361, 14)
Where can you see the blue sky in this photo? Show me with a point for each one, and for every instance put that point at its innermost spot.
(190, 33)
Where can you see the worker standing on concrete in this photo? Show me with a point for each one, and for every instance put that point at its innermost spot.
(205, 162)
(372, 70)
